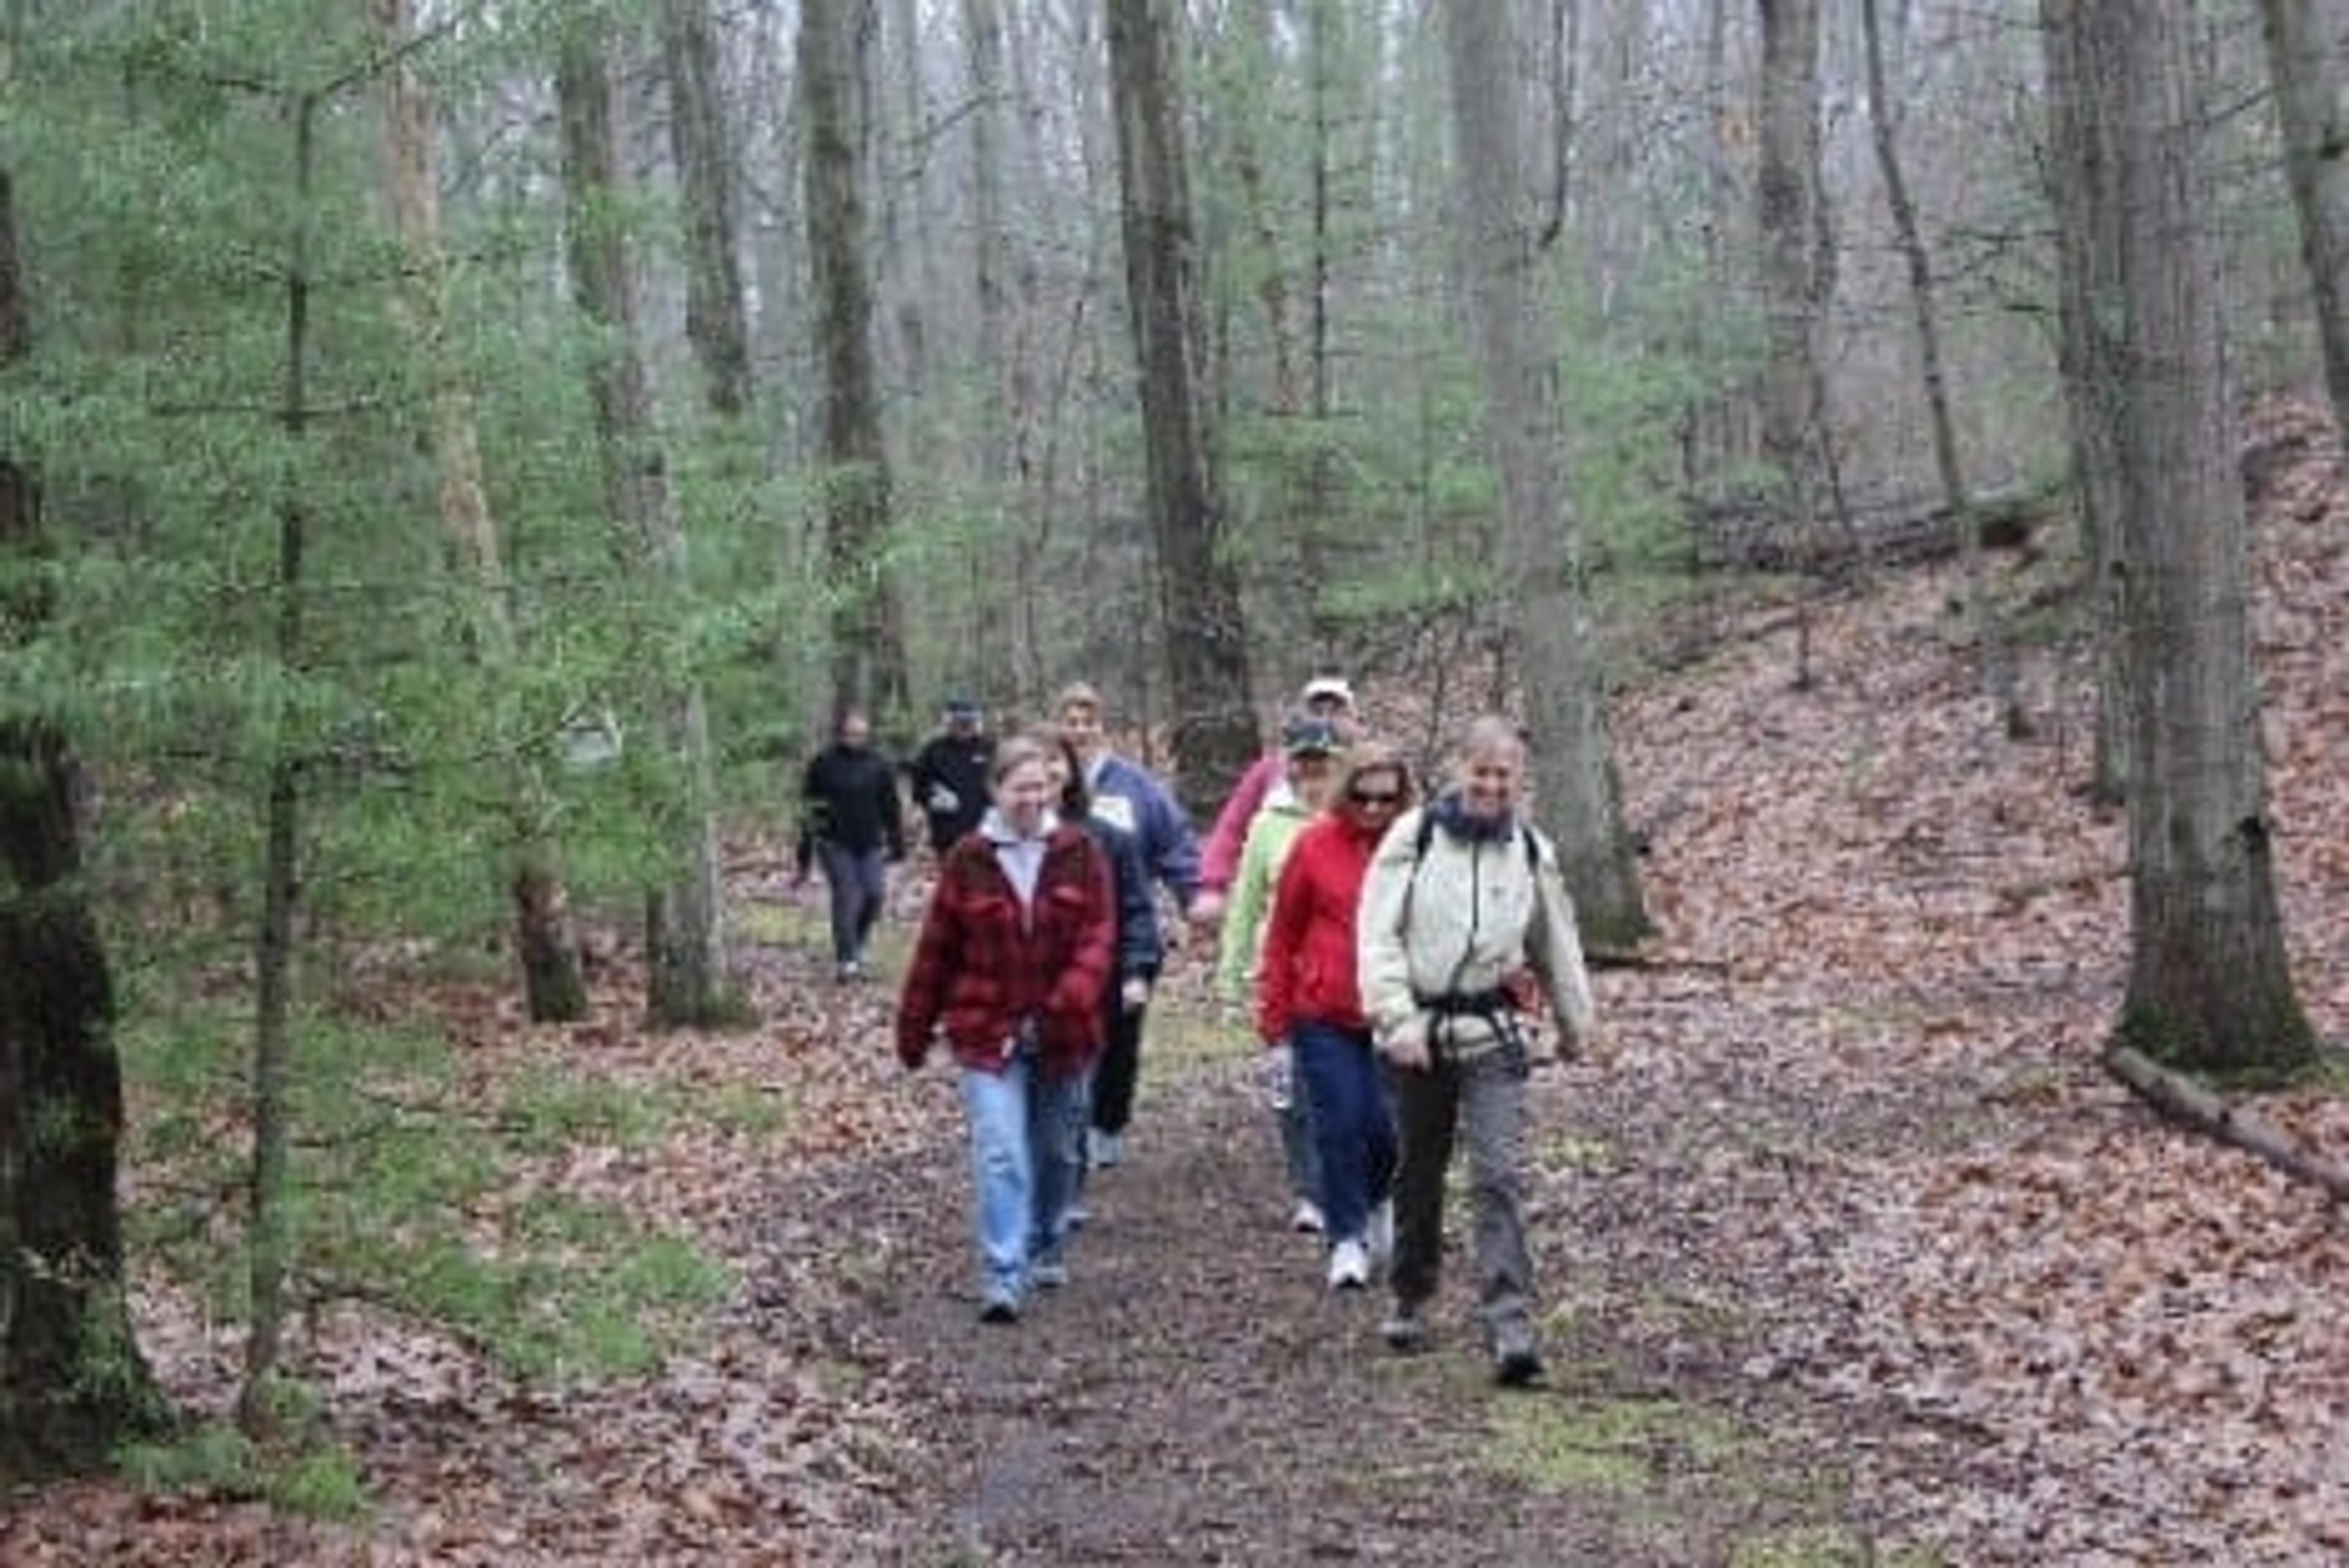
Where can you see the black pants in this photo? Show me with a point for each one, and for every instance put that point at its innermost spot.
(1120, 1069)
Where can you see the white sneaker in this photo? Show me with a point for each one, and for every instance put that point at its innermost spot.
(1306, 1218)
(1350, 1266)
(1103, 1150)
(1378, 1236)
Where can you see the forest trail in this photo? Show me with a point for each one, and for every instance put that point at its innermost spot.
(1853, 1255)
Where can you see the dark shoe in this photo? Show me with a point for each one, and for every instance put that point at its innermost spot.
(1001, 1306)
(1520, 1366)
(1405, 1331)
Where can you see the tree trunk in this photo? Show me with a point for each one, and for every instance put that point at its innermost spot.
(2305, 42)
(1549, 623)
(1788, 185)
(554, 989)
(2082, 134)
(2209, 986)
(687, 980)
(269, 1240)
(73, 1383)
(1213, 727)
(1990, 637)
(869, 664)
(714, 320)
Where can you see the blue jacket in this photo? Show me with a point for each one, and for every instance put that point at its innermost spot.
(1129, 796)
(1139, 951)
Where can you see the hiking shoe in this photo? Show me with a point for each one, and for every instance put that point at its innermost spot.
(1379, 1234)
(1000, 1307)
(1103, 1150)
(849, 972)
(1079, 1216)
(1350, 1266)
(1306, 1218)
(1049, 1274)
(1515, 1362)
(1404, 1331)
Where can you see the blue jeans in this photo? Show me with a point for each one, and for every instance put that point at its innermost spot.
(1026, 1135)
(1353, 1125)
(855, 879)
(1297, 1156)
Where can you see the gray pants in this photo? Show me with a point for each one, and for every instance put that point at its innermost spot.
(1484, 1098)
(856, 881)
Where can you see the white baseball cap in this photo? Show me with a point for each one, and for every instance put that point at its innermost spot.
(1332, 687)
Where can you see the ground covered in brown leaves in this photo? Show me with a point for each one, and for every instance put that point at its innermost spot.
(1852, 1255)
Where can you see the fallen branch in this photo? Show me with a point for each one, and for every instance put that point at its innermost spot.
(2183, 1100)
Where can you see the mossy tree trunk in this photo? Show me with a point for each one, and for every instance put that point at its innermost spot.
(73, 1383)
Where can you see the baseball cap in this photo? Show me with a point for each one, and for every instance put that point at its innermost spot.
(1307, 736)
(1331, 687)
(959, 708)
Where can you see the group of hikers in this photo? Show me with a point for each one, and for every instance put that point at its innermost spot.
(1398, 957)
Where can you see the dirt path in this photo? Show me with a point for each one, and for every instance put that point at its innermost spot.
(1195, 1395)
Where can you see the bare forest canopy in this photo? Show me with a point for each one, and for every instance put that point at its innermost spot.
(459, 458)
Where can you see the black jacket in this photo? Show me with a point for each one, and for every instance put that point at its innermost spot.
(849, 797)
(951, 767)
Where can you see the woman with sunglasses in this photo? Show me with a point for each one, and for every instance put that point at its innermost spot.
(1307, 995)
(1465, 922)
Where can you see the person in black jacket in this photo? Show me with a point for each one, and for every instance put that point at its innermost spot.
(948, 774)
(852, 821)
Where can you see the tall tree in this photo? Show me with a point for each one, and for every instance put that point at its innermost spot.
(2306, 38)
(1548, 620)
(2208, 984)
(687, 982)
(2082, 161)
(552, 986)
(715, 323)
(868, 652)
(1884, 125)
(73, 1383)
(1198, 587)
(1793, 293)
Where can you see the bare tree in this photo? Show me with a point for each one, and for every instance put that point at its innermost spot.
(1883, 118)
(2082, 161)
(2306, 38)
(869, 664)
(686, 957)
(1793, 288)
(1198, 588)
(714, 320)
(1550, 622)
(552, 987)
(73, 1383)
(2209, 983)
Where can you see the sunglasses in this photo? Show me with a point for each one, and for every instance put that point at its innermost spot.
(1375, 796)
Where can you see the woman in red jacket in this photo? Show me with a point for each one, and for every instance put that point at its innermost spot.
(1010, 967)
(1307, 994)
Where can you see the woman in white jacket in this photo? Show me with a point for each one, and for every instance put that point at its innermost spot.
(1463, 922)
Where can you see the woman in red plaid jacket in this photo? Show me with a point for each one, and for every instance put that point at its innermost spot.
(1010, 968)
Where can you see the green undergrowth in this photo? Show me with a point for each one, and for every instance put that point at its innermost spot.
(316, 1480)
(428, 1191)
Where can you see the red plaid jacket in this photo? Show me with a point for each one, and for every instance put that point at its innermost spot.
(981, 970)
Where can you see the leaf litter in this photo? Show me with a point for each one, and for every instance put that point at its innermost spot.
(1853, 1188)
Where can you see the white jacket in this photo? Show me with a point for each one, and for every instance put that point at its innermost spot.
(1458, 921)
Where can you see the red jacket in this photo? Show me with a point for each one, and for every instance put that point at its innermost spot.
(981, 968)
(1307, 972)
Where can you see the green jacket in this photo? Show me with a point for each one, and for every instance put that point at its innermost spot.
(1270, 832)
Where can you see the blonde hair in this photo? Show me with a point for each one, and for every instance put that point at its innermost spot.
(1077, 692)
